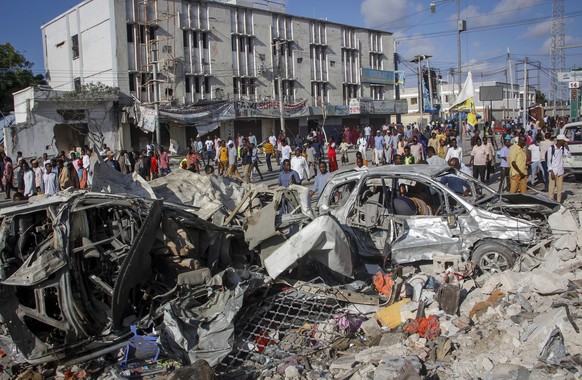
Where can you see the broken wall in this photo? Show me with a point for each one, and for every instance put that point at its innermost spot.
(41, 129)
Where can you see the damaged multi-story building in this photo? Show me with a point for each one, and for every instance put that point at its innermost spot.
(220, 66)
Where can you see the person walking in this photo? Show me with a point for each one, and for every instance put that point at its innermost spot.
(479, 158)
(232, 161)
(555, 161)
(362, 144)
(269, 150)
(378, 148)
(246, 157)
(299, 164)
(535, 155)
(517, 159)
(7, 176)
(490, 169)
(255, 161)
(287, 176)
(504, 178)
(332, 157)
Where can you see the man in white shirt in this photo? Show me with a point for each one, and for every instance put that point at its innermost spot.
(28, 177)
(49, 179)
(299, 164)
(252, 139)
(555, 162)
(208, 150)
(433, 159)
(285, 152)
(367, 132)
(535, 155)
(454, 152)
(273, 140)
(479, 158)
(545, 145)
(362, 145)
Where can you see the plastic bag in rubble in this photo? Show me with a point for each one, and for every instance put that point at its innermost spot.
(554, 350)
(11, 350)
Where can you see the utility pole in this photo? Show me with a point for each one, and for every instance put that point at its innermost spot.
(430, 89)
(156, 96)
(525, 92)
(511, 80)
(461, 27)
(397, 86)
(280, 84)
(417, 59)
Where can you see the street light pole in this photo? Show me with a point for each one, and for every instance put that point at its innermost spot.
(280, 84)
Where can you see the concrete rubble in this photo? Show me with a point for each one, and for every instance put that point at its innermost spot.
(295, 305)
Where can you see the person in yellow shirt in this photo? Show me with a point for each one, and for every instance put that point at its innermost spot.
(223, 158)
(269, 150)
(517, 159)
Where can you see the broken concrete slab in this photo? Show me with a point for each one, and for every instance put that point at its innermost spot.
(395, 367)
(545, 283)
(343, 363)
(322, 240)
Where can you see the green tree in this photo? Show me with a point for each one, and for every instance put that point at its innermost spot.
(15, 74)
(540, 97)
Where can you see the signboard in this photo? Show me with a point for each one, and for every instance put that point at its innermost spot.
(490, 93)
(390, 107)
(570, 76)
(354, 106)
(377, 76)
(574, 84)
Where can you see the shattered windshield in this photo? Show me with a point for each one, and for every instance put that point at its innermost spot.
(465, 185)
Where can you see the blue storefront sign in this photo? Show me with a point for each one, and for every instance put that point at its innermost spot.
(377, 76)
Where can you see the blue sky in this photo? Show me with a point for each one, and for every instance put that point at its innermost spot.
(523, 26)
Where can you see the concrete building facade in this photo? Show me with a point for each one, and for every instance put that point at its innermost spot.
(209, 51)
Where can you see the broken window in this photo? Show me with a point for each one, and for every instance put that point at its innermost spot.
(75, 46)
(341, 193)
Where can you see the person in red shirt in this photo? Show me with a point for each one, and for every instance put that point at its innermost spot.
(164, 162)
(154, 166)
(331, 155)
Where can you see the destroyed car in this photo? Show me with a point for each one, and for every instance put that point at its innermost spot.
(573, 132)
(412, 213)
(76, 270)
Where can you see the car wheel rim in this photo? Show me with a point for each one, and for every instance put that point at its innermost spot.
(493, 262)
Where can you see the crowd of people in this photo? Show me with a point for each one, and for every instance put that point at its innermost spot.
(521, 150)
(45, 175)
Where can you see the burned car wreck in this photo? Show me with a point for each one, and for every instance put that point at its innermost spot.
(411, 213)
(77, 269)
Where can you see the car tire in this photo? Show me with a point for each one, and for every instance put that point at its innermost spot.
(493, 257)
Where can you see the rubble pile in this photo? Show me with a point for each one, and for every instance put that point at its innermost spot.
(246, 283)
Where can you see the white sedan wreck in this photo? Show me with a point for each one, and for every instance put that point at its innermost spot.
(406, 214)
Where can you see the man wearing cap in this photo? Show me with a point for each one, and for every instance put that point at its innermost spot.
(555, 162)
(517, 159)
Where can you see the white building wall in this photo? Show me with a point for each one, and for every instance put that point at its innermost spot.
(92, 23)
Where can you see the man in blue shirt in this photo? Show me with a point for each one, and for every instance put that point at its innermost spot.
(320, 180)
(287, 176)
(378, 148)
